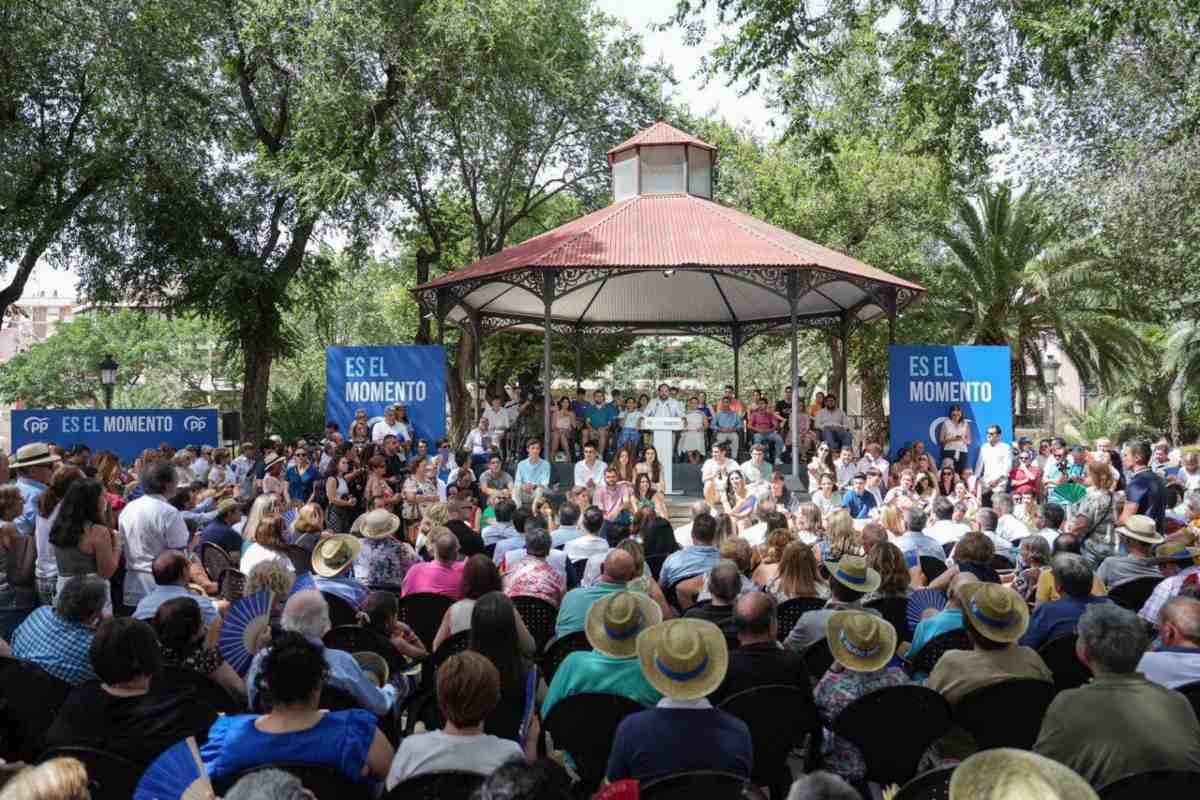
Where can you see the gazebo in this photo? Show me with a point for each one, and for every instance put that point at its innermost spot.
(665, 258)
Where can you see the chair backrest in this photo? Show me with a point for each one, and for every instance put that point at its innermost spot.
(779, 717)
(539, 617)
(31, 698)
(215, 560)
(423, 613)
(453, 644)
(1154, 784)
(932, 567)
(1059, 654)
(231, 585)
(895, 611)
(1006, 714)
(319, 779)
(891, 758)
(818, 658)
(334, 699)
(790, 611)
(931, 785)
(437, 786)
(301, 558)
(655, 563)
(1001, 562)
(558, 650)
(928, 656)
(948, 547)
(585, 725)
(110, 776)
(357, 639)
(1133, 594)
(1192, 692)
(692, 785)
(575, 570)
(340, 610)
(181, 679)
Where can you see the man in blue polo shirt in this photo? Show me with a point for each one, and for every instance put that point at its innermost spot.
(698, 559)
(601, 415)
(1073, 580)
(858, 501)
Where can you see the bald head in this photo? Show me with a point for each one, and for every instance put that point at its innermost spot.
(307, 613)
(170, 568)
(618, 566)
(960, 580)
(1182, 614)
(754, 617)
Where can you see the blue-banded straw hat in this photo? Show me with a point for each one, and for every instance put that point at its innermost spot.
(1004, 773)
(614, 622)
(852, 571)
(860, 642)
(995, 611)
(685, 659)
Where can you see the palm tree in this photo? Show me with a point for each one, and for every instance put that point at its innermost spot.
(1106, 417)
(1182, 357)
(1014, 279)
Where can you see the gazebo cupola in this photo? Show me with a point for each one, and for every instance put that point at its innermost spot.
(662, 160)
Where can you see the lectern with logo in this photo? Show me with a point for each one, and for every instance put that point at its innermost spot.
(664, 442)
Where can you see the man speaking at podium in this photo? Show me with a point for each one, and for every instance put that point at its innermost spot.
(663, 405)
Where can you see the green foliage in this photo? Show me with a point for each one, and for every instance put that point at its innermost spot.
(298, 414)
(1107, 417)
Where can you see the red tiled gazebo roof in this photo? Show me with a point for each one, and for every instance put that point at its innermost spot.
(660, 133)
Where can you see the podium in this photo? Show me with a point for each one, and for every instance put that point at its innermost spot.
(664, 429)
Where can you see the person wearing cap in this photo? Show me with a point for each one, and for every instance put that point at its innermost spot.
(220, 530)
(852, 579)
(759, 660)
(273, 481)
(685, 660)
(333, 561)
(384, 560)
(611, 666)
(1005, 773)
(1189, 574)
(862, 645)
(34, 464)
(1177, 661)
(995, 618)
(1118, 723)
(1073, 582)
(1140, 536)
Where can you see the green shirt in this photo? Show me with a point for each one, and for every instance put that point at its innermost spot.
(595, 672)
(572, 613)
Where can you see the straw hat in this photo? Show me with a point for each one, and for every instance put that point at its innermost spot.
(373, 666)
(32, 455)
(685, 659)
(334, 555)
(1008, 774)
(272, 461)
(1141, 528)
(853, 571)
(860, 641)
(377, 524)
(1176, 552)
(996, 611)
(614, 622)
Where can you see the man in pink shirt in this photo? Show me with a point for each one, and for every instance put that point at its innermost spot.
(612, 497)
(762, 423)
(443, 575)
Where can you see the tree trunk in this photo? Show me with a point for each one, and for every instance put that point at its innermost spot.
(425, 260)
(462, 408)
(1175, 404)
(875, 428)
(256, 375)
(834, 386)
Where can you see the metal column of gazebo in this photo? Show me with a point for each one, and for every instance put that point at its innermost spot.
(665, 259)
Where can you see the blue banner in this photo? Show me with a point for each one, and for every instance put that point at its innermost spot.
(927, 381)
(125, 432)
(376, 378)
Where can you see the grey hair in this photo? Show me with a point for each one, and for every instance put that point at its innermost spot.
(269, 784)
(821, 785)
(1115, 638)
(1073, 574)
(986, 519)
(915, 519)
(81, 598)
(724, 581)
(537, 542)
(1002, 500)
(307, 614)
(1184, 613)
(699, 507)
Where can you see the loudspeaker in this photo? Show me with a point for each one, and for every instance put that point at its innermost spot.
(231, 426)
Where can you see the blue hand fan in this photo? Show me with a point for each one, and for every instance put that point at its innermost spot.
(921, 600)
(243, 625)
(289, 517)
(177, 774)
(302, 583)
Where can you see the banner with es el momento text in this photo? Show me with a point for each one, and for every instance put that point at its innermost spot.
(126, 432)
(376, 378)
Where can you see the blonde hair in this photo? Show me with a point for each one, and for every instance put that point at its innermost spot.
(1101, 474)
(56, 779)
(264, 505)
(437, 514)
(270, 576)
(777, 541)
(808, 517)
(309, 519)
(892, 520)
(840, 535)
(798, 575)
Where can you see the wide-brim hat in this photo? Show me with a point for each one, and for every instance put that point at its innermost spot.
(852, 571)
(996, 612)
(1005, 773)
(272, 461)
(377, 524)
(1141, 528)
(1176, 552)
(614, 622)
(333, 555)
(374, 667)
(860, 641)
(684, 659)
(32, 455)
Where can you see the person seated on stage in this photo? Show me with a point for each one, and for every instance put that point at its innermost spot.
(533, 474)
(763, 423)
(858, 501)
(590, 471)
(834, 426)
(479, 443)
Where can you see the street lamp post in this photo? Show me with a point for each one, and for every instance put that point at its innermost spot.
(108, 378)
(1050, 369)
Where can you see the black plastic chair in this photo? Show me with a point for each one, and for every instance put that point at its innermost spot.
(1153, 784)
(895, 611)
(31, 699)
(1001, 562)
(110, 776)
(1192, 692)
(558, 650)
(357, 639)
(423, 613)
(1133, 594)
(931, 567)
(1069, 672)
(341, 612)
(301, 558)
(456, 643)
(334, 699)
(575, 570)
(948, 547)
(423, 708)
(585, 725)
(231, 585)
(655, 563)
(539, 617)
(322, 781)
(790, 611)
(938, 646)
(891, 758)
(215, 560)
(692, 785)
(172, 680)
(931, 785)
(779, 717)
(818, 658)
(437, 786)
(1006, 714)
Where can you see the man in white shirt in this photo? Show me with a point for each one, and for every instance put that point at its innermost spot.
(388, 425)
(1177, 662)
(1008, 527)
(150, 525)
(590, 471)
(683, 534)
(201, 465)
(498, 420)
(945, 529)
(845, 467)
(479, 442)
(584, 547)
(663, 405)
(993, 466)
(873, 457)
(718, 467)
(833, 425)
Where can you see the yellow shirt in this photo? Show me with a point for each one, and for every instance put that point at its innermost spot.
(1046, 591)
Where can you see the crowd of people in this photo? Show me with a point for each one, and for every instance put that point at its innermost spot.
(107, 587)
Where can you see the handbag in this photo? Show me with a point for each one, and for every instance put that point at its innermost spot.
(22, 555)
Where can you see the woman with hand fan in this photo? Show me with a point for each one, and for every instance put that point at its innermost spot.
(296, 730)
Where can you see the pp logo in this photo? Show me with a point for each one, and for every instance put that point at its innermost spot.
(37, 424)
(193, 424)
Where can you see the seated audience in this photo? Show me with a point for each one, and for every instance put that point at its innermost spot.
(798, 575)
(568, 525)
(759, 660)
(1139, 536)
(1119, 723)
(120, 714)
(468, 690)
(1177, 661)
(1073, 581)
(496, 632)
(502, 528)
(1005, 773)
(894, 577)
(1033, 560)
(460, 517)
(972, 554)
(170, 570)
(443, 575)
(572, 613)
(916, 540)
(294, 669)
(696, 559)
(269, 784)
(220, 530)
(383, 618)
(852, 580)
(1063, 543)
(724, 582)
(333, 561)
(944, 529)
(685, 660)
(384, 559)
(1170, 587)
(862, 645)
(532, 572)
(269, 543)
(180, 629)
(591, 542)
(480, 576)
(520, 780)
(57, 779)
(948, 619)
(822, 785)
(57, 638)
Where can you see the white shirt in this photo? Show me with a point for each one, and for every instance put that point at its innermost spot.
(585, 547)
(150, 525)
(438, 751)
(594, 473)
(382, 429)
(846, 470)
(1171, 668)
(995, 462)
(947, 530)
(881, 464)
(1190, 481)
(477, 442)
(257, 554)
(832, 419)
(664, 408)
(949, 429)
(1009, 528)
(557, 560)
(46, 565)
(497, 420)
(712, 469)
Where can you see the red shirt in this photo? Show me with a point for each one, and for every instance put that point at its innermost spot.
(762, 420)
